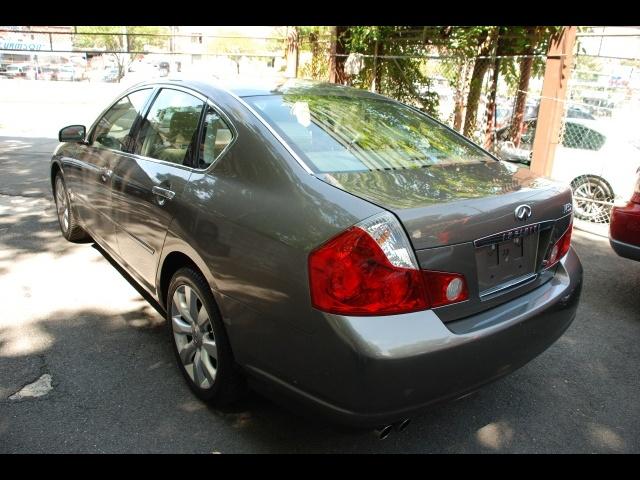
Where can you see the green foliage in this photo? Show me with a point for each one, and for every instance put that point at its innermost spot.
(316, 41)
(399, 78)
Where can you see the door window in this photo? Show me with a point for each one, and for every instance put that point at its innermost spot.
(216, 136)
(579, 136)
(114, 128)
(170, 129)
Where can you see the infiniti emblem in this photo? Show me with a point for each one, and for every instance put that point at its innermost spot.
(523, 212)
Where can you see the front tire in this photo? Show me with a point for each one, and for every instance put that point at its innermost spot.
(199, 340)
(69, 225)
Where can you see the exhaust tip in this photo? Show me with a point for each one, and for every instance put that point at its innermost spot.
(383, 432)
(400, 426)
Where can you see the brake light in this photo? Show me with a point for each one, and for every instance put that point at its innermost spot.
(370, 269)
(560, 248)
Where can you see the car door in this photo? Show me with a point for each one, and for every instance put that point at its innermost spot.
(147, 185)
(579, 153)
(108, 141)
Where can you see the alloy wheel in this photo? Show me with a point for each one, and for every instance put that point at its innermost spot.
(62, 204)
(193, 335)
(592, 202)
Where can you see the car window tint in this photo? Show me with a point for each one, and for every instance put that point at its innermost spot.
(170, 128)
(113, 129)
(216, 136)
(336, 133)
(581, 137)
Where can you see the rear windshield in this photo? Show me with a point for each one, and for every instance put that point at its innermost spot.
(343, 134)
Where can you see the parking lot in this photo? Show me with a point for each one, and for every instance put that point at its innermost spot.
(69, 313)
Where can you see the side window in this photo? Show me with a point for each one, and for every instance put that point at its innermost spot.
(113, 129)
(578, 136)
(216, 135)
(170, 129)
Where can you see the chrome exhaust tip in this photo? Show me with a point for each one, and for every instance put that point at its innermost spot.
(383, 432)
(400, 426)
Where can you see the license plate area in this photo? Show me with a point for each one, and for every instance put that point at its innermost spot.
(505, 260)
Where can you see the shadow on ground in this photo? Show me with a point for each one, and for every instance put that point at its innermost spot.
(117, 389)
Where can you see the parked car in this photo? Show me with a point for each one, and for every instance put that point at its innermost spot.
(624, 230)
(49, 72)
(596, 159)
(69, 73)
(327, 245)
(16, 71)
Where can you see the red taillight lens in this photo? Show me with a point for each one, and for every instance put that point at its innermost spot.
(560, 248)
(372, 271)
(351, 275)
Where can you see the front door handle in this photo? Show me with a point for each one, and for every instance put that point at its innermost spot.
(165, 193)
(105, 174)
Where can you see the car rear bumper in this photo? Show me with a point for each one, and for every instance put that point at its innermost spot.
(405, 363)
(624, 230)
(625, 250)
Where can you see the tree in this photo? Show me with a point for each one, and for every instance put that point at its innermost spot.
(119, 41)
(339, 41)
(485, 38)
(533, 41)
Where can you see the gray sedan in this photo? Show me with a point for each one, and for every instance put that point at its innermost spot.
(330, 247)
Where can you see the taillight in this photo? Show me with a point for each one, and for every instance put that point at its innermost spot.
(370, 269)
(559, 249)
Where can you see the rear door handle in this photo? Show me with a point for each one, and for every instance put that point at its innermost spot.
(163, 192)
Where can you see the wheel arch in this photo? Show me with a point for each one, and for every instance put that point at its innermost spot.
(56, 167)
(176, 255)
(594, 176)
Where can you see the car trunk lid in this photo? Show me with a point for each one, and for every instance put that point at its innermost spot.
(449, 204)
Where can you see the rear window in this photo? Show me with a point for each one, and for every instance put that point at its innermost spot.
(342, 134)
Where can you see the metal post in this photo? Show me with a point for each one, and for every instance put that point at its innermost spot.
(554, 91)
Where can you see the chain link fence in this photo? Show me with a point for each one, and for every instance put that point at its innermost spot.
(597, 150)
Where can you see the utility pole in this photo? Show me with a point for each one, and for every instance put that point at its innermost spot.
(552, 104)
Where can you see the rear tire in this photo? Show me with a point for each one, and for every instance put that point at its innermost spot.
(200, 341)
(67, 219)
(592, 199)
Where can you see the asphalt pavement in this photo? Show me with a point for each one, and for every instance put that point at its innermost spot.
(69, 313)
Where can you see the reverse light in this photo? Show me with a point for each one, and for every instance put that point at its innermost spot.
(370, 269)
(560, 248)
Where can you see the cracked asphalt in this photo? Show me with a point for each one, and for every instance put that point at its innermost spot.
(67, 311)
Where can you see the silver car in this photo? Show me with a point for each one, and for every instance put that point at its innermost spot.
(330, 247)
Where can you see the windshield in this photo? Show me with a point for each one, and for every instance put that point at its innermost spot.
(341, 134)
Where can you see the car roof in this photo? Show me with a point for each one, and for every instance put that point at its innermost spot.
(249, 87)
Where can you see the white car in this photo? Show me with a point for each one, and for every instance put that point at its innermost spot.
(597, 158)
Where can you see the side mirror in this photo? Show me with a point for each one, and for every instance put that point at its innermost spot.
(72, 133)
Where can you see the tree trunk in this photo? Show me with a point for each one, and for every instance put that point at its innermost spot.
(491, 107)
(517, 122)
(315, 53)
(338, 50)
(475, 86)
(293, 52)
(473, 99)
(458, 109)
